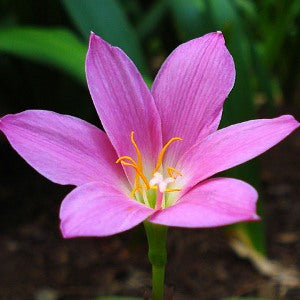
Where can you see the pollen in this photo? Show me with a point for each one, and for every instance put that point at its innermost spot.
(158, 183)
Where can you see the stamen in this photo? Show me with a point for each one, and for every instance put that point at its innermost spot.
(173, 190)
(157, 183)
(139, 157)
(137, 188)
(138, 152)
(138, 166)
(171, 170)
(125, 157)
(154, 187)
(145, 198)
(162, 152)
(138, 171)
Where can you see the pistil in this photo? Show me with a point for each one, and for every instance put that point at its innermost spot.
(161, 184)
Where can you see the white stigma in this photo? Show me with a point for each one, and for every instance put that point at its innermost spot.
(159, 180)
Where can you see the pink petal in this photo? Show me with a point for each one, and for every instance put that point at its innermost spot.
(215, 202)
(190, 90)
(64, 149)
(96, 209)
(232, 146)
(123, 101)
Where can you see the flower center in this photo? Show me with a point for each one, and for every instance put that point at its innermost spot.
(157, 183)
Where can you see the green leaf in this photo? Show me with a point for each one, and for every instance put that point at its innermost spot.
(107, 19)
(57, 47)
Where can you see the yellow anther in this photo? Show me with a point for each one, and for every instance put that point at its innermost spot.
(172, 190)
(125, 157)
(162, 152)
(171, 170)
(154, 187)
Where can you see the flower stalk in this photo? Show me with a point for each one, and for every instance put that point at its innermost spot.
(157, 254)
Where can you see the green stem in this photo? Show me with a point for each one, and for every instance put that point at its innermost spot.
(158, 276)
(157, 254)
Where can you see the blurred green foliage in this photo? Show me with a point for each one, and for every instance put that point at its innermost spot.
(46, 46)
(257, 34)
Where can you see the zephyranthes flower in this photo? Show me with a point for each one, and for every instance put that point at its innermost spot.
(160, 147)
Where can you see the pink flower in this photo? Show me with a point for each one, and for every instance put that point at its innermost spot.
(160, 147)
